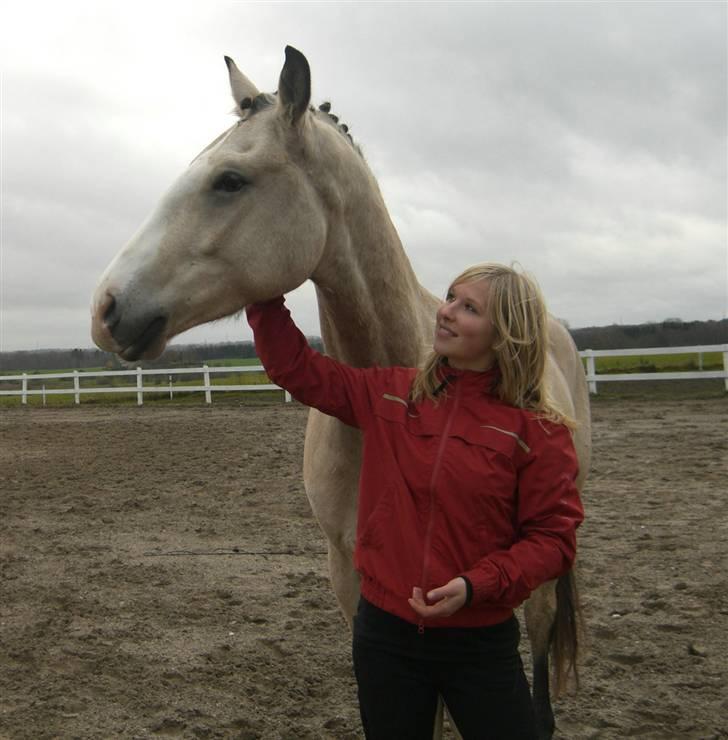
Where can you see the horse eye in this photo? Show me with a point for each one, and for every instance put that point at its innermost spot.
(230, 182)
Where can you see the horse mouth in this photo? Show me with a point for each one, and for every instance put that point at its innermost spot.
(144, 343)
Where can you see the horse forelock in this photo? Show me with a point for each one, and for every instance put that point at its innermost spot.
(248, 107)
(261, 102)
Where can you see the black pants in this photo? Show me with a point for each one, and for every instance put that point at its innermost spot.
(477, 671)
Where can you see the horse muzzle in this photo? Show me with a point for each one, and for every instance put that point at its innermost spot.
(132, 331)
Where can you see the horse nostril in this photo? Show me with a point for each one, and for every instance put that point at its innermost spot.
(111, 315)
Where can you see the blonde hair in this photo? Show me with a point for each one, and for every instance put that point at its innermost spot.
(520, 320)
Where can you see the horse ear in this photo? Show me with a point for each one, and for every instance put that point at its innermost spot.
(294, 85)
(243, 90)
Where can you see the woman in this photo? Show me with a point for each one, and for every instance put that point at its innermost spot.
(467, 503)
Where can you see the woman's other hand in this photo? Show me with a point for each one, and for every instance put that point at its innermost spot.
(444, 601)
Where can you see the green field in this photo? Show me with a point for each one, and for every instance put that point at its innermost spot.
(233, 362)
(658, 363)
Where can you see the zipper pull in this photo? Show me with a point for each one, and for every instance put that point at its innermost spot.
(421, 628)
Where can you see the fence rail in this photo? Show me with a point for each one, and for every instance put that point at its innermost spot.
(77, 376)
(592, 377)
(208, 388)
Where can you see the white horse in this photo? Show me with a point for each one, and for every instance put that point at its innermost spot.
(282, 197)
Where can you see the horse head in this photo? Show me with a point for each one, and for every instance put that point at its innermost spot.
(244, 223)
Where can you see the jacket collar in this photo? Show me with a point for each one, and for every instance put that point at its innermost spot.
(470, 382)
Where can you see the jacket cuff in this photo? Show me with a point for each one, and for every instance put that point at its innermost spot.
(469, 590)
(483, 585)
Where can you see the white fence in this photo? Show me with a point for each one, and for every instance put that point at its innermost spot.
(592, 378)
(77, 376)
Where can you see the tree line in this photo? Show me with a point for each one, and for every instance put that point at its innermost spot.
(180, 355)
(669, 333)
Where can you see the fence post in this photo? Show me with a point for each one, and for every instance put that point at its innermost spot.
(44, 394)
(24, 397)
(76, 387)
(140, 387)
(206, 376)
(725, 367)
(170, 388)
(591, 369)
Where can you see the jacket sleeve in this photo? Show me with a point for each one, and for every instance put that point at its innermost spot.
(548, 512)
(310, 377)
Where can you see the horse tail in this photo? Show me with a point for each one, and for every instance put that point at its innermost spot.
(566, 634)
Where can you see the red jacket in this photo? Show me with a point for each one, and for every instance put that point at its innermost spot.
(468, 486)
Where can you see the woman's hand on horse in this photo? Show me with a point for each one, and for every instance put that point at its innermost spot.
(443, 601)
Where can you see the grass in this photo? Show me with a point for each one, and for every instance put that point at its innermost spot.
(232, 362)
(658, 363)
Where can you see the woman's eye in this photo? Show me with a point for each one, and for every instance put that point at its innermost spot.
(230, 182)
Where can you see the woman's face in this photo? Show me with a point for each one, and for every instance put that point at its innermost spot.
(464, 332)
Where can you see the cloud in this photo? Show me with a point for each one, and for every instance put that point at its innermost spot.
(585, 140)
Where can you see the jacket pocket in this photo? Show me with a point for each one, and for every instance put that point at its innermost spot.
(372, 534)
(420, 420)
(494, 438)
(508, 434)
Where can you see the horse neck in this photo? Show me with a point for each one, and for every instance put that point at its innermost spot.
(371, 307)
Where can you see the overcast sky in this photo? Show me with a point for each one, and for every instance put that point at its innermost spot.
(587, 140)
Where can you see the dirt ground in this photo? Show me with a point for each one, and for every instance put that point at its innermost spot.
(162, 576)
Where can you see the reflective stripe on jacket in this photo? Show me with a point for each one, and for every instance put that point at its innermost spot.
(467, 486)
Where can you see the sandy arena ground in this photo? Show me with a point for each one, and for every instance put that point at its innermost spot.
(162, 576)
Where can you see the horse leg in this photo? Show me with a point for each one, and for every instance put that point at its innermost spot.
(345, 581)
(540, 613)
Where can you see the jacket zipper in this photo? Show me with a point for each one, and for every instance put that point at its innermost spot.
(433, 478)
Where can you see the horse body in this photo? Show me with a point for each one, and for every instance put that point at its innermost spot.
(282, 197)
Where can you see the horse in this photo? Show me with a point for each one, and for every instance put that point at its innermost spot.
(284, 196)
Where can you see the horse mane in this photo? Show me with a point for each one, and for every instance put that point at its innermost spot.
(324, 113)
(248, 107)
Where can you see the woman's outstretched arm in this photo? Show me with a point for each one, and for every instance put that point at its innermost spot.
(309, 376)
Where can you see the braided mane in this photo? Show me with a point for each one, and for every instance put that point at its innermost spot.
(250, 106)
(324, 113)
